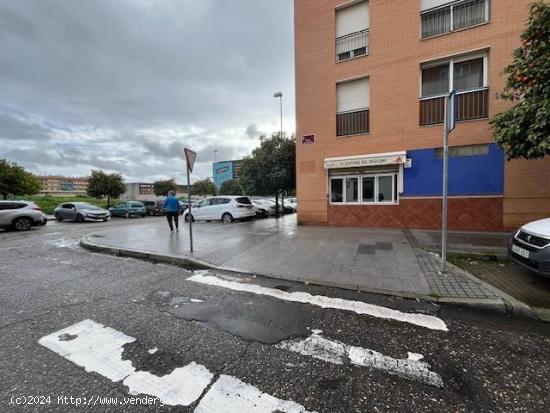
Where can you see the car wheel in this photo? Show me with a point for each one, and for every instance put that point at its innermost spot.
(127, 215)
(227, 218)
(79, 218)
(22, 224)
(58, 218)
(187, 218)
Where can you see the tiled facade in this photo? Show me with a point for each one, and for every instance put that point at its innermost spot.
(395, 54)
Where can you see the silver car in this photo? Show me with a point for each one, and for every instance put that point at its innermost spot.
(20, 215)
(80, 212)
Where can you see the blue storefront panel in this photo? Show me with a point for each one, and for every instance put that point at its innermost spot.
(468, 175)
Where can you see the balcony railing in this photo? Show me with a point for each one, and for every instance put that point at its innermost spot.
(469, 105)
(352, 45)
(352, 123)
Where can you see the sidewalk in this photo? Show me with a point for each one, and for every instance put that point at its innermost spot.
(387, 261)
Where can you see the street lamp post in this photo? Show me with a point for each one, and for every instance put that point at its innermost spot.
(280, 96)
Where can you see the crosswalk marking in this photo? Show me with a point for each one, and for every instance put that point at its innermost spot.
(359, 307)
(339, 353)
(99, 349)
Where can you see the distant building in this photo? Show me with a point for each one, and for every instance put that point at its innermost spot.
(225, 171)
(56, 185)
(142, 191)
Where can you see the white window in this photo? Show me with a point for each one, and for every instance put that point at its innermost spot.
(352, 31)
(442, 16)
(462, 73)
(364, 189)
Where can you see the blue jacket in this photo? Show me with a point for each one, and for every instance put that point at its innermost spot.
(171, 204)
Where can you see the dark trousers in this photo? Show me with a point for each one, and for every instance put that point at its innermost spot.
(172, 216)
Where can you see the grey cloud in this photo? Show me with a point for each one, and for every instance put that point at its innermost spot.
(130, 83)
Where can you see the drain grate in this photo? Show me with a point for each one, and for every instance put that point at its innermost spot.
(384, 246)
(367, 249)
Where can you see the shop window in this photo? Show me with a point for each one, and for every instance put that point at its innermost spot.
(336, 190)
(352, 189)
(364, 189)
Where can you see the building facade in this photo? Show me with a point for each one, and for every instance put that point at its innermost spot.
(55, 185)
(370, 81)
(225, 171)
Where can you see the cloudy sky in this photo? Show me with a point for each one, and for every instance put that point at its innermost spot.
(125, 85)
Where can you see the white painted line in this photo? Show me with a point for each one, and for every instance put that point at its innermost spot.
(99, 349)
(338, 353)
(229, 394)
(182, 387)
(358, 307)
(196, 300)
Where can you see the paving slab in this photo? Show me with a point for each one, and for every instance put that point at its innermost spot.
(388, 261)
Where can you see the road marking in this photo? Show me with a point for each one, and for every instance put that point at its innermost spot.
(64, 243)
(229, 394)
(336, 352)
(99, 349)
(358, 307)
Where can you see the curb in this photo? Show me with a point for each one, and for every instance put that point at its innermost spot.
(502, 306)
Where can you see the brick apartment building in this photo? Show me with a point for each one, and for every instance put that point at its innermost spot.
(56, 185)
(370, 76)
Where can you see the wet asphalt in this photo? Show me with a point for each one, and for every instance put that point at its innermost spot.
(47, 282)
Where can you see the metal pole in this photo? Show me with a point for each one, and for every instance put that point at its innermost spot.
(445, 187)
(189, 210)
(281, 102)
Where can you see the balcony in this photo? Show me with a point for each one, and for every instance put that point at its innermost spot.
(472, 104)
(352, 45)
(352, 122)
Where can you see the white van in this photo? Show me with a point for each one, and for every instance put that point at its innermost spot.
(225, 208)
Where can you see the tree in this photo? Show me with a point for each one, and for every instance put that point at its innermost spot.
(203, 187)
(162, 187)
(272, 166)
(231, 187)
(102, 185)
(15, 180)
(524, 130)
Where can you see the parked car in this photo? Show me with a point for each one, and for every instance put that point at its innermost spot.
(225, 208)
(20, 215)
(183, 206)
(262, 210)
(292, 203)
(153, 207)
(80, 212)
(287, 209)
(128, 209)
(530, 247)
(267, 204)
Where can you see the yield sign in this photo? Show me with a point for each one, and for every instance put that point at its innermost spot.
(190, 157)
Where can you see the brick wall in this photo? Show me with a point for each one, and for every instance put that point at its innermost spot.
(393, 66)
(474, 214)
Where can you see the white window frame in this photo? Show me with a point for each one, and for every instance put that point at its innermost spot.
(450, 61)
(451, 6)
(393, 175)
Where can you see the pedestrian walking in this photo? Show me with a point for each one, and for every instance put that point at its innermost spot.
(172, 207)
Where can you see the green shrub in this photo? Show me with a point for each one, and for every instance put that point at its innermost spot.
(48, 203)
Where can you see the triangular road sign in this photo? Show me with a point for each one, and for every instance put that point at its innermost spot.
(190, 157)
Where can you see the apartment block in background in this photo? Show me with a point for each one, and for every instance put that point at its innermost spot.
(56, 185)
(371, 77)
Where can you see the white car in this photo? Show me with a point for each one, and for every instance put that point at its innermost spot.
(225, 208)
(530, 246)
(20, 215)
(291, 202)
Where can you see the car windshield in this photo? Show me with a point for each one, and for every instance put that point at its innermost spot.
(87, 206)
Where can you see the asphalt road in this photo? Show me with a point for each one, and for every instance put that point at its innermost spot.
(48, 283)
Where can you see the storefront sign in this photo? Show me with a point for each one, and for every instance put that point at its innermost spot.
(367, 160)
(308, 139)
